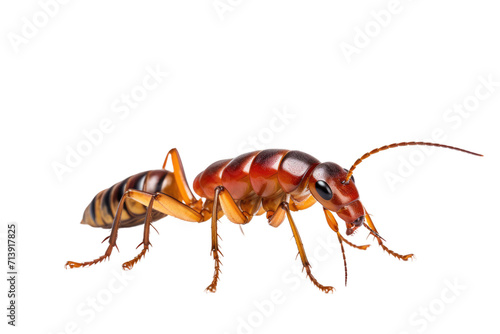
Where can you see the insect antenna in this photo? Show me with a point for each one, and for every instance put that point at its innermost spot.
(411, 143)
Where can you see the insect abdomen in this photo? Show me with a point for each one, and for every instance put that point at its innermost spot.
(101, 211)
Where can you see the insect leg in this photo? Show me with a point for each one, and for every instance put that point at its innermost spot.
(296, 206)
(332, 222)
(215, 247)
(302, 252)
(145, 241)
(165, 204)
(160, 202)
(234, 214)
(112, 237)
(180, 179)
(373, 231)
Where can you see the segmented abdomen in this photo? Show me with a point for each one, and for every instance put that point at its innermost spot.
(101, 211)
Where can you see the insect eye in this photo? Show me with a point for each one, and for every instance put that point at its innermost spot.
(324, 190)
(352, 177)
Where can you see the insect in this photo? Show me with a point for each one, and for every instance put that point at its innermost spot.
(274, 181)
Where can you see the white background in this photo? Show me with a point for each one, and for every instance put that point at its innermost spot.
(229, 71)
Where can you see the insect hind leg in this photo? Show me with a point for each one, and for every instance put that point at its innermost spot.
(180, 179)
(165, 204)
(112, 238)
(145, 241)
(161, 202)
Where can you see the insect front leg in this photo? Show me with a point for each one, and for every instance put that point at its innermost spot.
(332, 222)
(373, 231)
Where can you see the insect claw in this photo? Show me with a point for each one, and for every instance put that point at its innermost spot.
(328, 289)
(72, 264)
(210, 288)
(408, 257)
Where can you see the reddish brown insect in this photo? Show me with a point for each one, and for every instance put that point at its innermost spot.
(275, 182)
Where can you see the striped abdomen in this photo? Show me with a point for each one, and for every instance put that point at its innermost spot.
(101, 211)
(265, 174)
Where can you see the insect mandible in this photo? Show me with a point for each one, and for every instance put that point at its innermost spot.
(273, 181)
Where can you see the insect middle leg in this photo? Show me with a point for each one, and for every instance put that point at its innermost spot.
(307, 266)
(234, 214)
